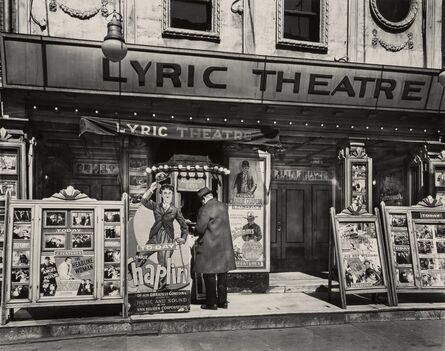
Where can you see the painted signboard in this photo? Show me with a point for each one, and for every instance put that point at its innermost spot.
(69, 65)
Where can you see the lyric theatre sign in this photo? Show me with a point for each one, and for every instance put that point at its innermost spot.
(61, 65)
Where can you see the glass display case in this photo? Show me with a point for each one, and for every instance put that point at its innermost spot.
(65, 250)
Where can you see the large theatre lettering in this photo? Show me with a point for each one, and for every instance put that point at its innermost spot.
(76, 66)
(318, 84)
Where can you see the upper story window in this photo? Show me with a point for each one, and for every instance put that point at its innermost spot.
(195, 19)
(302, 23)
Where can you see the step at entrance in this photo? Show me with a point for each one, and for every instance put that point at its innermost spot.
(289, 282)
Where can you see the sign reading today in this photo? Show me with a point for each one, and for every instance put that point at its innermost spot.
(62, 65)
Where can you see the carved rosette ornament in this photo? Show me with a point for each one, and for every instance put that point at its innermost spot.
(69, 194)
(354, 210)
(4, 134)
(430, 201)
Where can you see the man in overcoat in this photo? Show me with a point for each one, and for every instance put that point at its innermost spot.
(214, 249)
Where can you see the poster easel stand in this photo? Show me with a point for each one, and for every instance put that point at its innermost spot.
(357, 252)
(415, 241)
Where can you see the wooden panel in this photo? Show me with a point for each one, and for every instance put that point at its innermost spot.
(320, 214)
(111, 192)
(274, 216)
(295, 216)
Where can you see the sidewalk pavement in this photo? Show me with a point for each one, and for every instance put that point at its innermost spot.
(246, 311)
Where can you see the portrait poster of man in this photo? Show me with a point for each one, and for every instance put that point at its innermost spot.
(246, 181)
(154, 287)
(361, 259)
(247, 227)
(67, 276)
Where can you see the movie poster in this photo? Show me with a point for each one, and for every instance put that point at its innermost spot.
(67, 274)
(361, 258)
(159, 277)
(247, 227)
(246, 212)
(246, 182)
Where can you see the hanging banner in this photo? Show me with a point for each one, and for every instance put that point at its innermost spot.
(159, 278)
(154, 129)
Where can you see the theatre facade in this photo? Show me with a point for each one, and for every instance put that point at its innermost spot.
(279, 132)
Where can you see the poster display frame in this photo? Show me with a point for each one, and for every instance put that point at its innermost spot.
(96, 251)
(361, 216)
(264, 159)
(430, 208)
(17, 146)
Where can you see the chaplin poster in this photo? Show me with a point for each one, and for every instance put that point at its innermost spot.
(246, 182)
(159, 278)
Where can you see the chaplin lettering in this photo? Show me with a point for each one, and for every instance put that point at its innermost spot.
(177, 76)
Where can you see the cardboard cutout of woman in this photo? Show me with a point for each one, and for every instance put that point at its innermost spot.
(165, 213)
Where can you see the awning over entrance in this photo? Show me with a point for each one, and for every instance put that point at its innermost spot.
(154, 129)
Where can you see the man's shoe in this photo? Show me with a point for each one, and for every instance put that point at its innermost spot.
(224, 305)
(209, 307)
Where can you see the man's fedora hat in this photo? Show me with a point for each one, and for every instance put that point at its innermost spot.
(203, 192)
(250, 215)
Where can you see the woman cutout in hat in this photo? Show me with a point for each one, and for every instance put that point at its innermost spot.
(165, 213)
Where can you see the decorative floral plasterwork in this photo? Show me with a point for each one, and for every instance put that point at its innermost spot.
(430, 201)
(392, 47)
(4, 134)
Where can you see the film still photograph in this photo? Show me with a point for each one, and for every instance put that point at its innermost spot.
(112, 288)
(22, 215)
(433, 279)
(54, 241)
(21, 231)
(8, 163)
(82, 219)
(405, 275)
(424, 231)
(112, 255)
(401, 238)
(112, 216)
(55, 219)
(426, 263)
(19, 292)
(398, 220)
(425, 247)
(440, 232)
(112, 272)
(82, 240)
(112, 232)
(440, 246)
(20, 258)
(358, 171)
(20, 275)
(403, 257)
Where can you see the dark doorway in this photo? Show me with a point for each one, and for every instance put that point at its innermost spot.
(300, 227)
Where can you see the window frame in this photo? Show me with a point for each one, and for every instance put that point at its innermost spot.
(173, 32)
(321, 45)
